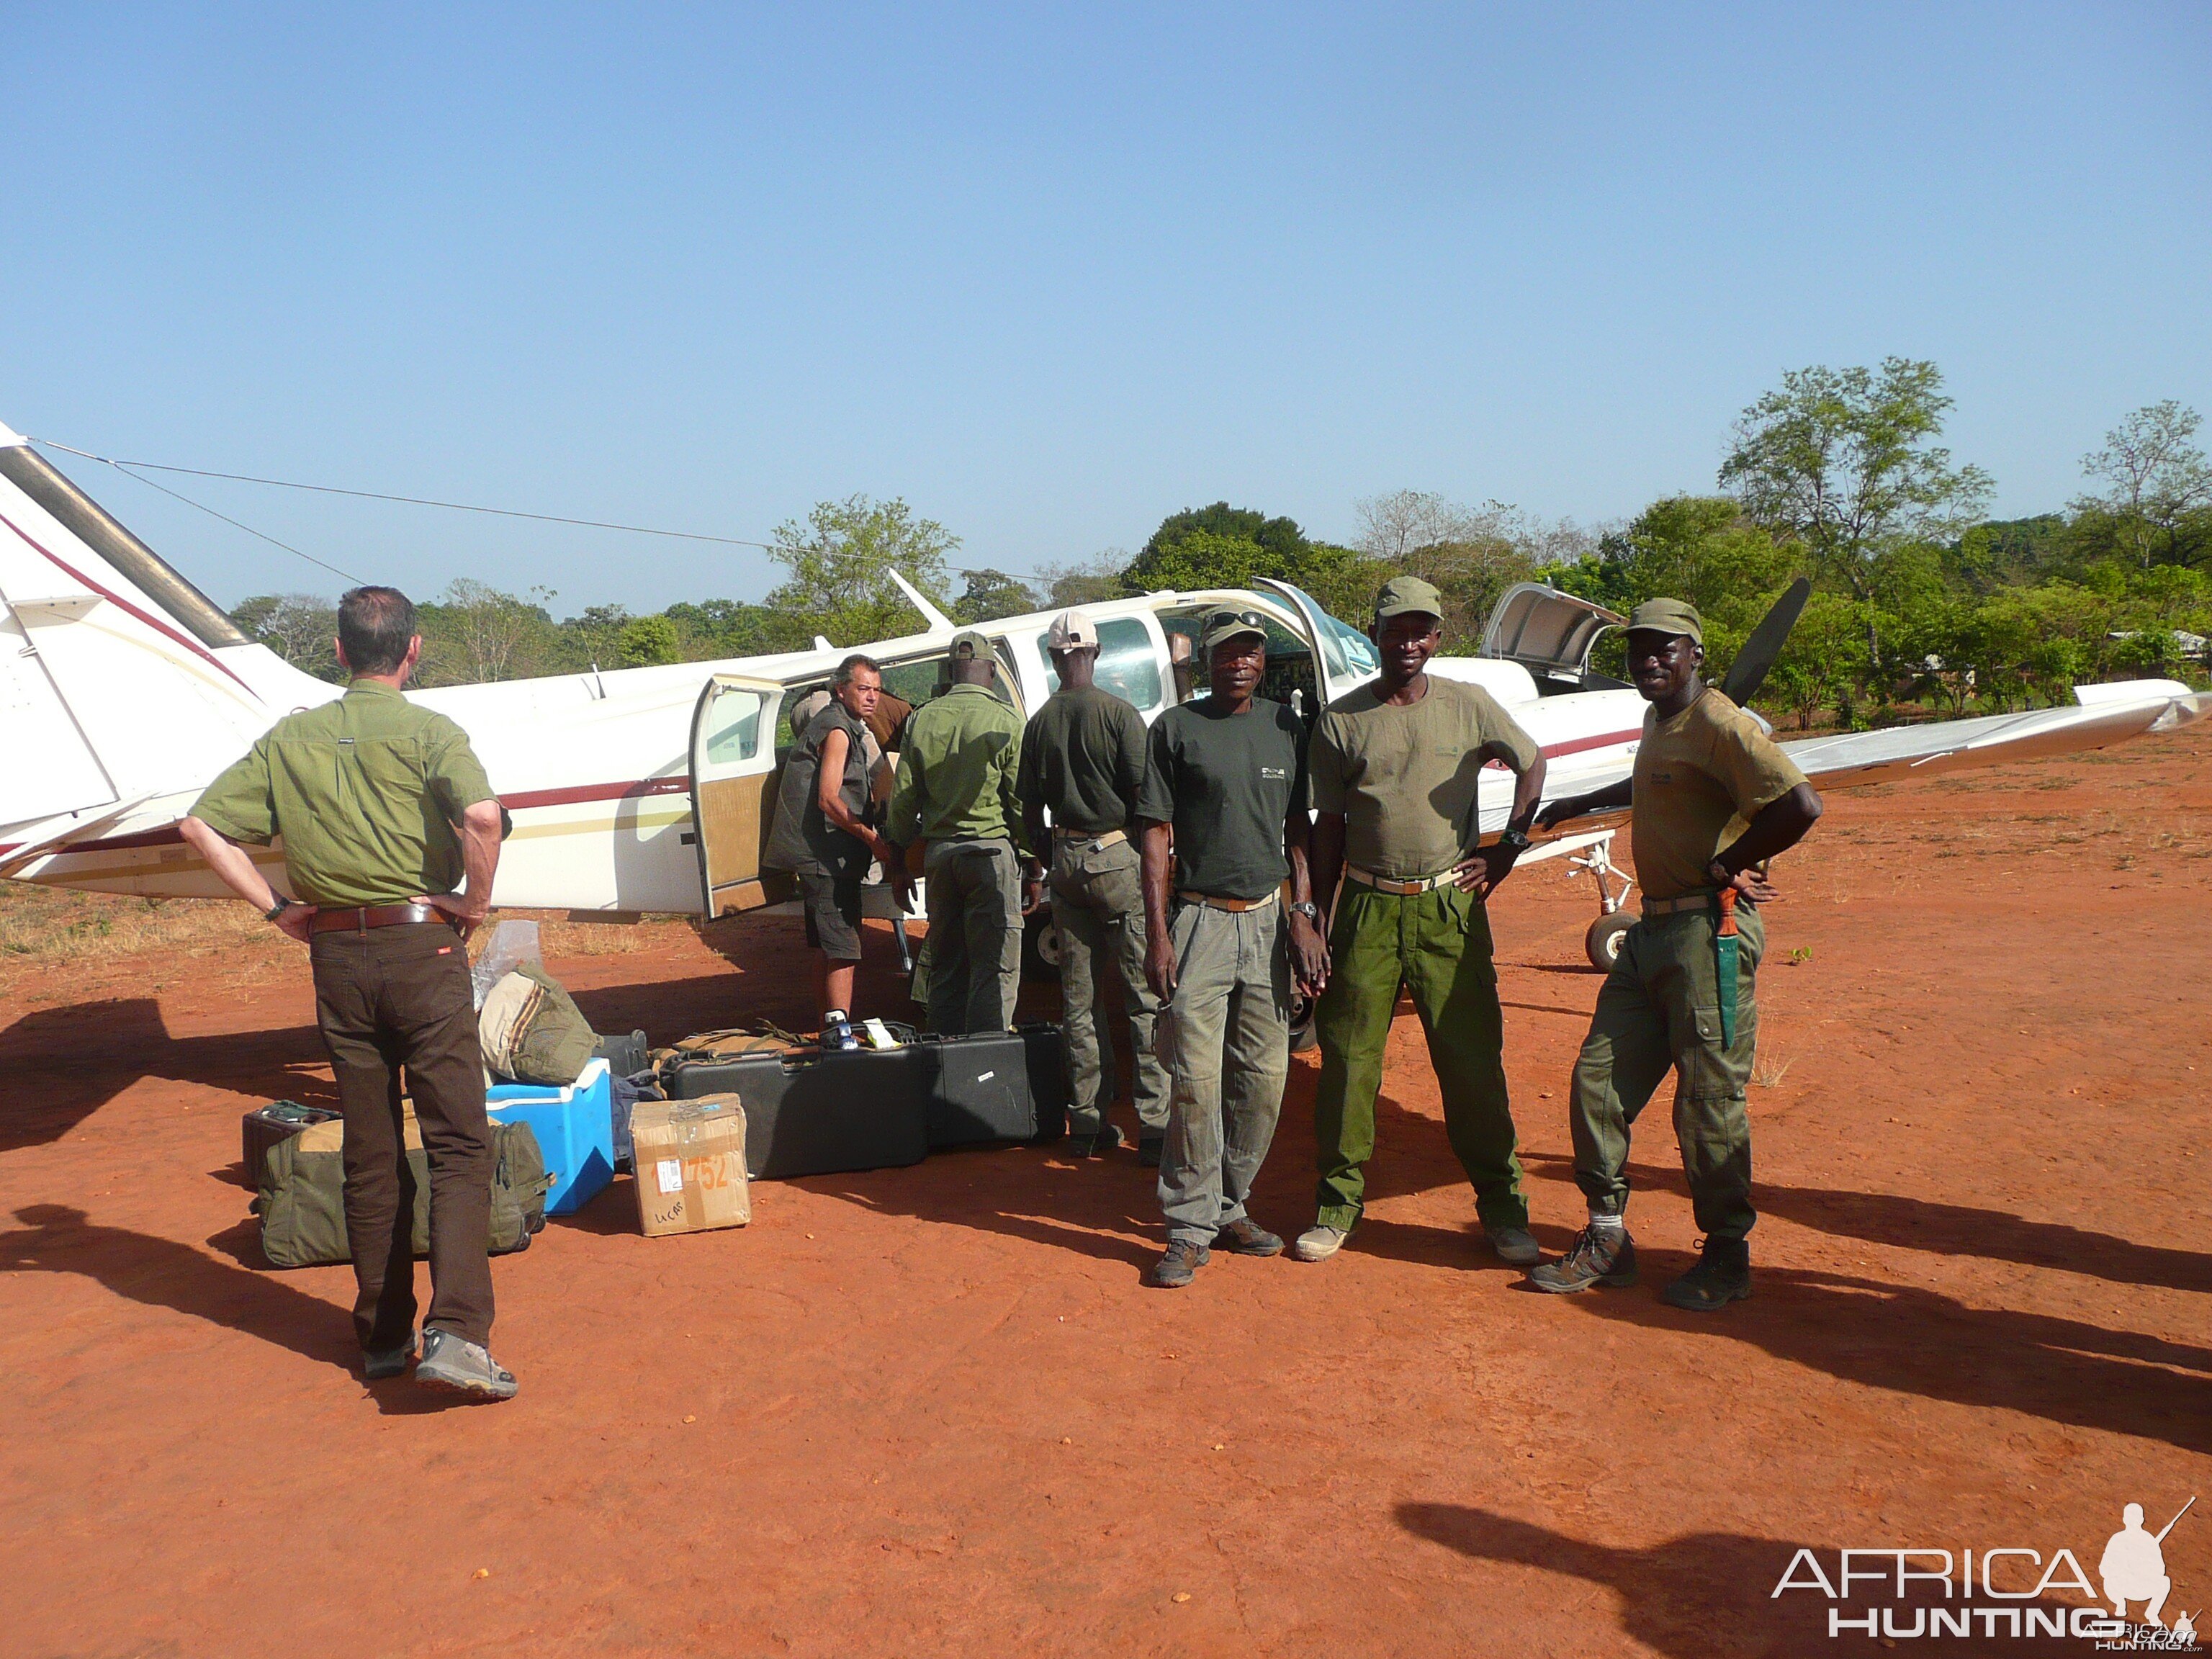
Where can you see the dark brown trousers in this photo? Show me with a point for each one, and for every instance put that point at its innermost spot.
(389, 999)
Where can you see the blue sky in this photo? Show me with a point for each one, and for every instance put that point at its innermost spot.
(1052, 273)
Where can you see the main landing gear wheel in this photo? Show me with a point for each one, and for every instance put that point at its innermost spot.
(1602, 943)
(1040, 945)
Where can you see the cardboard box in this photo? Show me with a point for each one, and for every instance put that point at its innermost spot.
(690, 1160)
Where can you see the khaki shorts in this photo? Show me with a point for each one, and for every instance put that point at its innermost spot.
(832, 912)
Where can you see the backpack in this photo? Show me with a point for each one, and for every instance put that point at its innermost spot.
(302, 1198)
(533, 1031)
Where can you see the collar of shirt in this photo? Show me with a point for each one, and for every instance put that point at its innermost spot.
(959, 686)
(377, 687)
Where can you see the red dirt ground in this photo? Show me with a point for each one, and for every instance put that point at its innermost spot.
(932, 1411)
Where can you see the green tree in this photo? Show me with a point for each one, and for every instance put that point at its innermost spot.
(731, 627)
(2158, 496)
(298, 627)
(840, 560)
(990, 594)
(474, 632)
(1093, 581)
(1845, 462)
(649, 642)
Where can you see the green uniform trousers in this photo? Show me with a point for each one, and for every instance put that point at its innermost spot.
(973, 894)
(1099, 908)
(1659, 1011)
(1438, 945)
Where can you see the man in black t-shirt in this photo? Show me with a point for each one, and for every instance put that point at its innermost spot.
(1083, 760)
(1224, 797)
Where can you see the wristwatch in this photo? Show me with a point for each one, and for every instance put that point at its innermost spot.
(1515, 839)
(282, 906)
(1309, 910)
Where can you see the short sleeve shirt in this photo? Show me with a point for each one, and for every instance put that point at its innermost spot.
(1699, 778)
(364, 792)
(804, 838)
(1405, 778)
(1083, 759)
(1226, 782)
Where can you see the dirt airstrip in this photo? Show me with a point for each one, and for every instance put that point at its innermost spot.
(932, 1411)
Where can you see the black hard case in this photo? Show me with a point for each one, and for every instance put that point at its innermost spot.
(809, 1113)
(996, 1086)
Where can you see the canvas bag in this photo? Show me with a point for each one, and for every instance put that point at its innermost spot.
(532, 1030)
(302, 1198)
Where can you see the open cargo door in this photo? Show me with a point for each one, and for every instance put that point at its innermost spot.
(732, 765)
(1550, 634)
(1344, 659)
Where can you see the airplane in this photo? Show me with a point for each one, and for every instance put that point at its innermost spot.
(123, 690)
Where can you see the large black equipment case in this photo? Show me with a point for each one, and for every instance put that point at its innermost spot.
(996, 1085)
(813, 1113)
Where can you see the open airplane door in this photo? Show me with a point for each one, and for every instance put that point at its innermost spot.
(732, 765)
(1344, 659)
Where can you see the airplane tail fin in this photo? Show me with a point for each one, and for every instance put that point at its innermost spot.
(122, 685)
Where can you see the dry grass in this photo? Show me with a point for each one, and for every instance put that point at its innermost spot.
(50, 933)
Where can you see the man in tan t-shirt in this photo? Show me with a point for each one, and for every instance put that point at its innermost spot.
(1394, 765)
(1714, 799)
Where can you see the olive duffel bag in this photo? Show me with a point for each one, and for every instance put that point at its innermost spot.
(302, 1200)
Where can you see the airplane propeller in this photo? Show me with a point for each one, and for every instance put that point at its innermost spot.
(1749, 670)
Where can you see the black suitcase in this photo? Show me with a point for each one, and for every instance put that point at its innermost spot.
(997, 1086)
(811, 1113)
(626, 1056)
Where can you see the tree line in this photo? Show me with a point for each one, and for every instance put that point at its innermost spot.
(1922, 603)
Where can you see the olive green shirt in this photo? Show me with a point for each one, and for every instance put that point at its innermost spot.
(1082, 757)
(1405, 778)
(956, 773)
(1699, 779)
(365, 792)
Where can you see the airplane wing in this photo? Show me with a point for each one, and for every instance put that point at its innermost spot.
(2106, 714)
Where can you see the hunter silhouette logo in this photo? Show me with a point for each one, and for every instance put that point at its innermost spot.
(2133, 1568)
(1935, 1592)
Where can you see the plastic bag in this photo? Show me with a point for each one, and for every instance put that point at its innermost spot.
(512, 945)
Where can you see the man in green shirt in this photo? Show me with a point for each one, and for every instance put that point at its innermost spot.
(1714, 799)
(955, 792)
(391, 834)
(1395, 766)
(1083, 761)
(1224, 803)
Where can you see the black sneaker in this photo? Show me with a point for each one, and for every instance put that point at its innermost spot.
(1245, 1237)
(1148, 1148)
(1723, 1275)
(1097, 1145)
(1599, 1256)
(1176, 1269)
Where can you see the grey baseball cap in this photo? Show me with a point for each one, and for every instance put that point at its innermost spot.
(1401, 595)
(1667, 617)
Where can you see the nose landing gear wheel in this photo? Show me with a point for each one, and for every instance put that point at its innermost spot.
(1602, 943)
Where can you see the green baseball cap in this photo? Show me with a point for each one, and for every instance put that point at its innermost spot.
(1403, 593)
(1228, 624)
(1667, 617)
(970, 643)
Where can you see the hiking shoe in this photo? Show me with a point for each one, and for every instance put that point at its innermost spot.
(1723, 1275)
(1599, 1256)
(452, 1362)
(1516, 1246)
(393, 1362)
(1148, 1148)
(1176, 1269)
(1097, 1145)
(1319, 1242)
(1245, 1237)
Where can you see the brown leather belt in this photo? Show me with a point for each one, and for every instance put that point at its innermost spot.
(1352, 872)
(1698, 898)
(1235, 907)
(363, 917)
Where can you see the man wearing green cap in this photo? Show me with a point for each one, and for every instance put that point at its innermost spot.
(1714, 799)
(1395, 766)
(1223, 802)
(956, 792)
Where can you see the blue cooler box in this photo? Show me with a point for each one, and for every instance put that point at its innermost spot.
(575, 1131)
